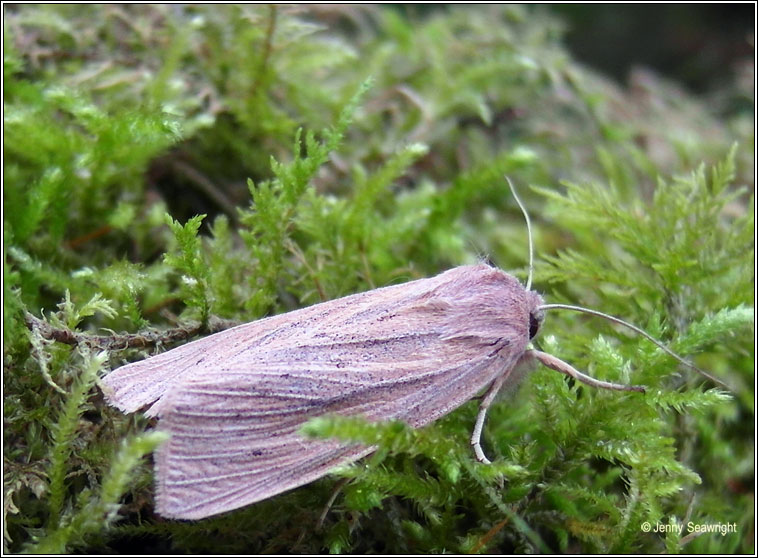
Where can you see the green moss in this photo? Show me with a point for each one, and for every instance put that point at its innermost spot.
(130, 132)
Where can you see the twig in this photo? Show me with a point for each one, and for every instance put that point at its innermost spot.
(267, 48)
(126, 340)
(206, 185)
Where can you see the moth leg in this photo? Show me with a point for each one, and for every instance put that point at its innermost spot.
(487, 399)
(558, 365)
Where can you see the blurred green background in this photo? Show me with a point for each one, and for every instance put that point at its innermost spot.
(697, 45)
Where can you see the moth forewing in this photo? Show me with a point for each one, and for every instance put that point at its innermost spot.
(233, 402)
(139, 384)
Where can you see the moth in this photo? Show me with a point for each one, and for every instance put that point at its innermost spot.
(233, 402)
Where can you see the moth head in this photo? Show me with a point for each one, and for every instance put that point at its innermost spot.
(536, 317)
(536, 313)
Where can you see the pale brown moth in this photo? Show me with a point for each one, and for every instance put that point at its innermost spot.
(233, 402)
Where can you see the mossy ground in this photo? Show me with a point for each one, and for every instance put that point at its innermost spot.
(171, 164)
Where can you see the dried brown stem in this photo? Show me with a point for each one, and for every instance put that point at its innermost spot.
(126, 340)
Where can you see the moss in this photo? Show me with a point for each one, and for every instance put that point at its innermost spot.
(125, 125)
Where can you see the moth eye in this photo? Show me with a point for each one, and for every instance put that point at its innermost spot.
(535, 321)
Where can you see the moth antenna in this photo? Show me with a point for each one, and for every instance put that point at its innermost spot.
(641, 332)
(528, 230)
